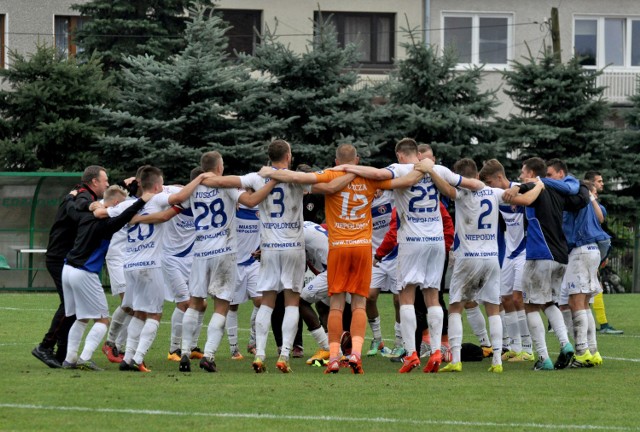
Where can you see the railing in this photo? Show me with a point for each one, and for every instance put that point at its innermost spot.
(619, 85)
(370, 80)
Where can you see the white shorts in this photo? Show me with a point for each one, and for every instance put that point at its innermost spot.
(116, 276)
(384, 276)
(541, 281)
(215, 277)
(176, 278)
(246, 283)
(145, 290)
(475, 279)
(282, 269)
(581, 276)
(83, 294)
(317, 290)
(420, 264)
(511, 274)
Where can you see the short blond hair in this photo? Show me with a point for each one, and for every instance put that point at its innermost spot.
(113, 191)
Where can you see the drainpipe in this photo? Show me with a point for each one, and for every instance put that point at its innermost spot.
(426, 25)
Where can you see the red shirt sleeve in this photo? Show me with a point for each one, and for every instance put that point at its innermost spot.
(390, 238)
(447, 226)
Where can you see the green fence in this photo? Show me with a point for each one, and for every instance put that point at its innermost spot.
(622, 253)
(28, 204)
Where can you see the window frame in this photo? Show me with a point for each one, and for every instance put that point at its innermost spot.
(600, 40)
(373, 65)
(72, 48)
(259, 20)
(475, 36)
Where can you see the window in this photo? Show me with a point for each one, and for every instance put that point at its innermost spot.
(603, 41)
(478, 38)
(242, 34)
(64, 27)
(372, 33)
(2, 18)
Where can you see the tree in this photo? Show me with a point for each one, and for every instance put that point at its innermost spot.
(314, 96)
(561, 113)
(170, 111)
(433, 102)
(45, 116)
(120, 28)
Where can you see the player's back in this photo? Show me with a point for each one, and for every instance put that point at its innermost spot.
(515, 240)
(477, 223)
(179, 232)
(248, 233)
(316, 245)
(381, 216)
(144, 241)
(214, 221)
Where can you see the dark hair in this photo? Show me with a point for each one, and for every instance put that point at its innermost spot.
(591, 175)
(149, 177)
(491, 168)
(277, 150)
(558, 165)
(304, 168)
(210, 161)
(407, 146)
(466, 168)
(92, 172)
(536, 165)
(195, 173)
(423, 148)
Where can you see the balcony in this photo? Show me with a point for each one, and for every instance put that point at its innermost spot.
(619, 86)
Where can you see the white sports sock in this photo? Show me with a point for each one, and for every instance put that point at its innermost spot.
(93, 339)
(495, 329)
(557, 324)
(147, 336)
(117, 321)
(289, 328)
(408, 326)
(133, 338)
(263, 325)
(525, 336)
(189, 324)
(397, 328)
(506, 340)
(231, 325)
(375, 328)
(252, 330)
(176, 329)
(591, 333)
(513, 331)
(321, 338)
(538, 330)
(435, 316)
(580, 326)
(215, 331)
(478, 325)
(121, 339)
(455, 336)
(567, 317)
(73, 341)
(197, 330)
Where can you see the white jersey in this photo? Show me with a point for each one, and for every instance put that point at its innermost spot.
(515, 240)
(214, 218)
(248, 233)
(316, 245)
(119, 239)
(144, 241)
(477, 223)
(280, 214)
(418, 207)
(179, 231)
(381, 217)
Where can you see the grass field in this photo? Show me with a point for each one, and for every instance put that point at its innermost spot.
(35, 397)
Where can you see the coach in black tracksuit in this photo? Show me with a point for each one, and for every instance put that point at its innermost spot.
(61, 239)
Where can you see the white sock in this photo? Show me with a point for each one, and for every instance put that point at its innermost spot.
(591, 333)
(189, 324)
(525, 336)
(263, 325)
(513, 331)
(73, 341)
(397, 328)
(147, 336)
(506, 340)
(580, 326)
(408, 325)
(321, 338)
(567, 317)
(478, 325)
(97, 332)
(121, 339)
(435, 316)
(176, 329)
(197, 330)
(289, 328)
(133, 338)
(252, 324)
(117, 321)
(538, 330)
(215, 331)
(557, 324)
(375, 328)
(231, 326)
(455, 336)
(495, 329)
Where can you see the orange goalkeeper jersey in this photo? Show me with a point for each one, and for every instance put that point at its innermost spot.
(348, 212)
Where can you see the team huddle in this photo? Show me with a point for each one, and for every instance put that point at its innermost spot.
(518, 249)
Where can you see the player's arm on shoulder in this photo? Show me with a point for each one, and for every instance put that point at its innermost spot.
(222, 182)
(471, 184)
(334, 186)
(443, 185)
(525, 199)
(252, 199)
(596, 208)
(286, 176)
(101, 213)
(369, 172)
(156, 218)
(187, 191)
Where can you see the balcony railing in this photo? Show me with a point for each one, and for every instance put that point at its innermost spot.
(619, 86)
